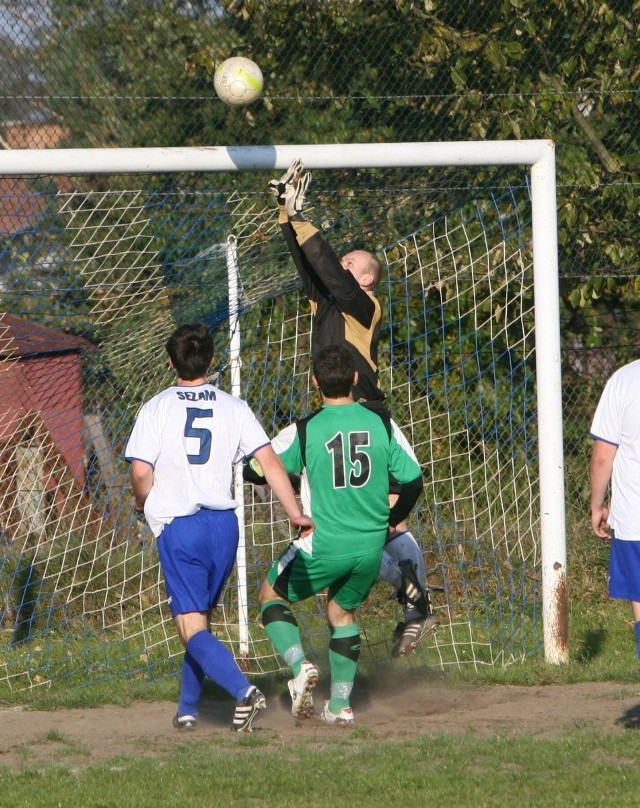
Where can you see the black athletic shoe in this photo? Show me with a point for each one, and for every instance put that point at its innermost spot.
(408, 635)
(247, 709)
(185, 722)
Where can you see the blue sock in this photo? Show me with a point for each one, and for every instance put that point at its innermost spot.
(638, 637)
(190, 686)
(218, 663)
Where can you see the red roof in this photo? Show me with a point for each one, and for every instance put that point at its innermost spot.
(19, 205)
(23, 338)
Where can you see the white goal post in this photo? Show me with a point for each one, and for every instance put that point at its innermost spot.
(538, 155)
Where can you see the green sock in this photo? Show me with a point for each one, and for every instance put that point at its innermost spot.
(282, 629)
(344, 651)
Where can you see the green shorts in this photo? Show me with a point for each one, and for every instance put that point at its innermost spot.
(296, 576)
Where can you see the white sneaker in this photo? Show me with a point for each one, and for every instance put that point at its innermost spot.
(301, 689)
(344, 718)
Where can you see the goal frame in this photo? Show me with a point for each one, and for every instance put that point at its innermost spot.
(537, 155)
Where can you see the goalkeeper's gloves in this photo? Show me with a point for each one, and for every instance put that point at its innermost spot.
(139, 516)
(277, 187)
(294, 195)
(253, 473)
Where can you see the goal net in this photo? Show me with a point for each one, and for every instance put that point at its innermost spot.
(96, 270)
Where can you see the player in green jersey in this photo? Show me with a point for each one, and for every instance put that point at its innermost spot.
(345, 453)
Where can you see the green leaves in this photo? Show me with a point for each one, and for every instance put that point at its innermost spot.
(135, 73)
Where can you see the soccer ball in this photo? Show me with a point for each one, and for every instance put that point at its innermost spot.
(238, 81)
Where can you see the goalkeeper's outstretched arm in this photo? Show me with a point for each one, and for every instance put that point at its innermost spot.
(278, 188)
(323, 273)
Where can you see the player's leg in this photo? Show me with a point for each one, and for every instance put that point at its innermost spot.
(191, 680)
(402, 562)
(288, 580)
(405, 555)
(344, 652)
(279, 622)
(197, 554)
(403, 567)
(635, 606)
(345, 595)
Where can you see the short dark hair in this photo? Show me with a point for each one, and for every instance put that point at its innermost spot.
(190, 349)
(334, 368)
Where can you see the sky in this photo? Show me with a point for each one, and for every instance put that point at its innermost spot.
(21, 19)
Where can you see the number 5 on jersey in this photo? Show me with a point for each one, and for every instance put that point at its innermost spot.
(202, 434)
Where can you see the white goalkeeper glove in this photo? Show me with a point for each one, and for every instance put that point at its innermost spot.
(294, 195)
(277, 187)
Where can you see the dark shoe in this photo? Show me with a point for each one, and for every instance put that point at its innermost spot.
(408, 635)
(185, 722)
(247, 709)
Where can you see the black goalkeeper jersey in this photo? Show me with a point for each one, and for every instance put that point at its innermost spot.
(344, 314)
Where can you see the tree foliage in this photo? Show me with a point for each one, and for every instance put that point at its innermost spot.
(139, 73)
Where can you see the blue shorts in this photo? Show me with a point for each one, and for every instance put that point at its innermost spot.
(197, 554)
(624, 570)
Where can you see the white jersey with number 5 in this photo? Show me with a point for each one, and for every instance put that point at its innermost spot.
(192, 436)
(617, 421)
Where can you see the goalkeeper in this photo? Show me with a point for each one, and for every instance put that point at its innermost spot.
(346, 312)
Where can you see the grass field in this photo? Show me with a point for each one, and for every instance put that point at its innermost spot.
(581, 768)
(508, 737)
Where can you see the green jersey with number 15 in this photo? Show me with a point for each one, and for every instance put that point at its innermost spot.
(346, 453)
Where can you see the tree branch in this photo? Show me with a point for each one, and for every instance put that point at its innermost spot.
(607, 159)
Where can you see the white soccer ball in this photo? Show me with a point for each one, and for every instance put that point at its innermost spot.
(238, 81)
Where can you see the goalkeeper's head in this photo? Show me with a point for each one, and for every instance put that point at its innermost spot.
(364, 267)
(190, 350)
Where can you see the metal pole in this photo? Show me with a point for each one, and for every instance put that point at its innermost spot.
(549, 392)
(238, 486)
(242, 158)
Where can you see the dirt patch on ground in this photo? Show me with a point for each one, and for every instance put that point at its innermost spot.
(394, 712)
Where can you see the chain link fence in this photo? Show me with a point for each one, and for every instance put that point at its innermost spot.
(138, 73)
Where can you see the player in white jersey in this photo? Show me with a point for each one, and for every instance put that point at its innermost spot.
(616, 458)
(184, 443)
